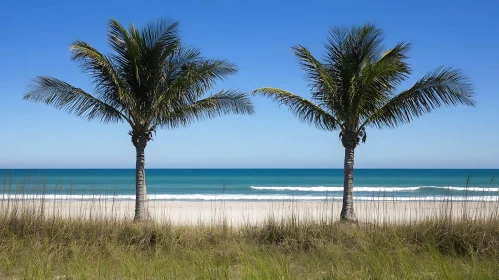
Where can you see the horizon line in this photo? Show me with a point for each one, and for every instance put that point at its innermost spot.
(253, 168)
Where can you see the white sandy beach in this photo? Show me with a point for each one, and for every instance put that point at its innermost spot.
(238, 212)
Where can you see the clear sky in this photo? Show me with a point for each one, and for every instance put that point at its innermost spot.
(257, 36)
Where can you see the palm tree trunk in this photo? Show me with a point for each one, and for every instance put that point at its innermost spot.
(347, 211)
(141, 209)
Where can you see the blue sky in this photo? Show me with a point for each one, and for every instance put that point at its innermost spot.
(257, 36)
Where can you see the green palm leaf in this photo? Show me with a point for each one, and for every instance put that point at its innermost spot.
(323, 84)
(62, 95)
(108, 86)
(378, 80)
(222, 103)
(441, 87)
(304, 109)
(198, 75)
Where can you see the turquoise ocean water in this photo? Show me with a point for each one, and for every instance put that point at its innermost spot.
(252, 184)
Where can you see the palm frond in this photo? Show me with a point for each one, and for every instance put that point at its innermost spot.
(351, 49)
(338, 67)
(176, 65)
(160, 34)
(387, 72)
(302, 108)
(221, 103)
(335, 47)
(160, 41)
(364, 45)
(379, 79)
(63, 96)
(172, 88)
(323, 84)
(119, 40)
(441, 87)
(104, 74)
(349, 52)
(127, 55)
(198, 75)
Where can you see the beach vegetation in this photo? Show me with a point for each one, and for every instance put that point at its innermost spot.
(34, 245)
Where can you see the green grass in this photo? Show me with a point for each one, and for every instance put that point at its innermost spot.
(36, 247)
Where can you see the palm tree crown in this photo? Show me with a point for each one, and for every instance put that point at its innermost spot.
(150, 81)
(353, 88)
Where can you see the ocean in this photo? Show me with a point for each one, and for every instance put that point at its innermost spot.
(252, 184)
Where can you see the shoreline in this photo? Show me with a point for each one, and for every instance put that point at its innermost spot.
(255, 212)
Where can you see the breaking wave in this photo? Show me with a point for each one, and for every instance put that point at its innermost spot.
(372, 189)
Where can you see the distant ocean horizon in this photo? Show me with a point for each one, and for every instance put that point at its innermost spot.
(252, 184)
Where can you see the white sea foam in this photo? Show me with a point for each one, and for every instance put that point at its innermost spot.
(335, 189)
(371, 189)
(471, 189)
(236, 197)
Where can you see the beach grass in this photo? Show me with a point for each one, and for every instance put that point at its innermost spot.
(34, 246)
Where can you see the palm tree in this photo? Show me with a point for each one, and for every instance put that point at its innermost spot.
(353, 89)
(151, 81)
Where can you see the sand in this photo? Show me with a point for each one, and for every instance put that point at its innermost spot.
(251, 212)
